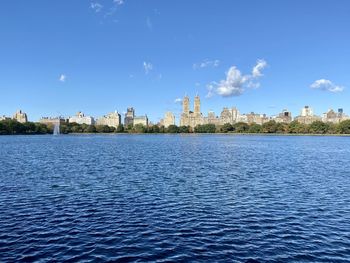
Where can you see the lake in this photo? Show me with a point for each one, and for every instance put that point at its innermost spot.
(202, 198)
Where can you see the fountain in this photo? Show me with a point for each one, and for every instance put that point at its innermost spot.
(56, 128)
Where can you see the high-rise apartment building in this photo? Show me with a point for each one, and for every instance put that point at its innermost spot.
(20, 116)
(129, 117)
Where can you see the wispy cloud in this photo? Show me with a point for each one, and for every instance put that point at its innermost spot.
(97, 7)
(207, 63)
(260, 65)
(118, 2)
(62, 78)
(326, 85)
(149, 23)
(148, 67)
(178, 100)
(235, 82)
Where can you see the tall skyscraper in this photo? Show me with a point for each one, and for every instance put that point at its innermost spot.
(129, 117)
(189, 118)
(197, 106)
(186, 105)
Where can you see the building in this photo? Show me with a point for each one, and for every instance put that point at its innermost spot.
(80, 118)
(129, 117)
(169, 119)
(189, 118)
(306, 112)
(284, 117)
(3, 118)
(307, 116)
(231, 116)
(211, 119)
(112, 119)
(141, 120)
(52, 121)
(334, 117)
(20, 116)
(256, 118)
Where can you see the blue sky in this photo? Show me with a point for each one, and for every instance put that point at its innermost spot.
(60, 57)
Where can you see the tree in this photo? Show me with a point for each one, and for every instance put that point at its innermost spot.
(227, 127)
(172, 129)
(103, 129)
(206, 128)
(254, 128)
(269, 127)
(241, 127)
(318, 127)
(344, 127)
(297, 127)
(139, 128)
(120, 128)
(184, 129)
(155, 128)
(90, 129)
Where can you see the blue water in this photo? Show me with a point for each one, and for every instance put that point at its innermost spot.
(214, 198)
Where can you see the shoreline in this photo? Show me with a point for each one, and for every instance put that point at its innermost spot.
(191, 134)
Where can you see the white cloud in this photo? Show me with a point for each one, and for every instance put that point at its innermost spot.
(178, 100)
(149, 23)
(207, 63)
(211, 90)
(62, 78)
(148, 67)
(235, 82)
(260, 65)
(118, 2)
(232, 85)
(97, 7)
(326, 85)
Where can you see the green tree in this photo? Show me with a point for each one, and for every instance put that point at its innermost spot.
(120, 128)
(206, 128)
(184, 129)
(90, 129)
(156, 129)
(297, 127)
(139, 128)
(269, 127)
(344, 127)
(227, 127)
(318, 127)
(254, 128)
(103, 129)
(241, 127)
(172, 129)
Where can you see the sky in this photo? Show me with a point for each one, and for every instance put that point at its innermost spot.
(59, 57)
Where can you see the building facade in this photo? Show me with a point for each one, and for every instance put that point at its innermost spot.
(129, 117)
(284, 117)
(80, 118)
(191, 118)
(20, 116)
(307, 116)
(141, 120)
(256, 118)
(112, 119)
(334, 117)
(52, 121)
(169, 119)
(3, 118)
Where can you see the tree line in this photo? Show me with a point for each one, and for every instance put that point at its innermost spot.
(9, 127)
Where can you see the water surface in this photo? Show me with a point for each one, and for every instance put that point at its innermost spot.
(209, 198)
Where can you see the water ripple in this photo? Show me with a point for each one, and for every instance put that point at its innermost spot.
(174, 198)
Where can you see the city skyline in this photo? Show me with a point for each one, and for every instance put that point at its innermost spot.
(117, 55)
(191, 115)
